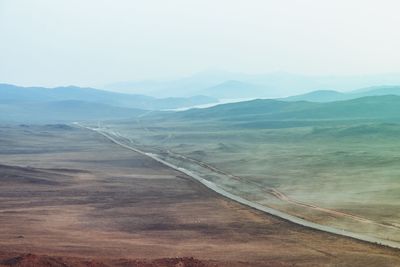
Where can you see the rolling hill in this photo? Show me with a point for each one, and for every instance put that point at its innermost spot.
(63, 104)
(373, 107)
(330, 95)
(11, 94)
(63, 111)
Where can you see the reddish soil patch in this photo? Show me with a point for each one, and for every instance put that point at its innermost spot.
(31, 260)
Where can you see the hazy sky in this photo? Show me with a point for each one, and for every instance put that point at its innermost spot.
(93, 42)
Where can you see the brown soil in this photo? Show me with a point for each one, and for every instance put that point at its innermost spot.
(73, 195)
(31, 260)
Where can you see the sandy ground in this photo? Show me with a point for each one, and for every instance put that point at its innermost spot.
(73, 195)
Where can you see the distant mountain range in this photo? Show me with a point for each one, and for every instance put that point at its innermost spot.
(330, 95)
(270, 85)
(234, 89)
(65, 104)
(75, 103)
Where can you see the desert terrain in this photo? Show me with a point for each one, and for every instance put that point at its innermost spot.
(70, 197)
(314, 162)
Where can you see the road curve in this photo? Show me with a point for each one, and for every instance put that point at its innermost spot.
(280, 195)
(254, 205)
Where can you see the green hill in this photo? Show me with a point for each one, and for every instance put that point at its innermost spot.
(374, 107)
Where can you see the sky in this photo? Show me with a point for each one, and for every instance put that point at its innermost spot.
(95, 42)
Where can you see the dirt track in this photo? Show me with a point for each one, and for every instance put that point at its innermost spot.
(83, 196)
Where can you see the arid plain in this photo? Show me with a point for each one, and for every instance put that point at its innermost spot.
(70, 197)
